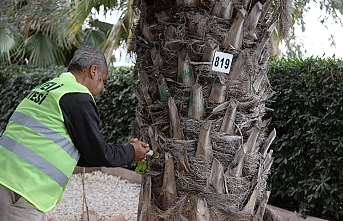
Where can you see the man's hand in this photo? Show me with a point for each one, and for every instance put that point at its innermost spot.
(132, 140)
(141, 148)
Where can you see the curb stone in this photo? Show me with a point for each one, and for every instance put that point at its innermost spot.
(123, 173)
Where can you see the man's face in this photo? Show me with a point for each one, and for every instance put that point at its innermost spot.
(97, 82)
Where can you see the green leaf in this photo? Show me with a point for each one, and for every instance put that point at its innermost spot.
(141, 168)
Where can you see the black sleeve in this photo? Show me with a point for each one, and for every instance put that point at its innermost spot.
(82, 121)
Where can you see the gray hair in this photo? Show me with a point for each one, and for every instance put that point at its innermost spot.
(85, 57)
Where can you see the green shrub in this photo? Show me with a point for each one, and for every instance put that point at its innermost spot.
(308, 104)
(16, 82)
(116, 105)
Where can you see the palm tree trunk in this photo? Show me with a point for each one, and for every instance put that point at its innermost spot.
(207, 125)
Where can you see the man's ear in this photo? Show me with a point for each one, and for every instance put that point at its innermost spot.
(93, 71)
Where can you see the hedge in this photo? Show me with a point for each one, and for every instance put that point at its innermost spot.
(116, 105)
(307, 174)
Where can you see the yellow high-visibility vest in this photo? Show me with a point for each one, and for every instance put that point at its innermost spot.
(37, 155)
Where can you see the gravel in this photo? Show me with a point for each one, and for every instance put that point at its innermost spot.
(108, 195)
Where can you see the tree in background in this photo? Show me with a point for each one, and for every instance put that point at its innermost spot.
(47, 32)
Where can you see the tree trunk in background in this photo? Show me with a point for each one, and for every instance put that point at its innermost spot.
(207, 125)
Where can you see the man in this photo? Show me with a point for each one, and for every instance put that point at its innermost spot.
(53, 129)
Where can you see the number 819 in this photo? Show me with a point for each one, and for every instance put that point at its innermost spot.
(222, 62)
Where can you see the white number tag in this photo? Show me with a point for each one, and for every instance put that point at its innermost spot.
(222, 62)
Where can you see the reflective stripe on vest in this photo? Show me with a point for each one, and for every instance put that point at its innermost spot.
(47, 132)
(33, 158)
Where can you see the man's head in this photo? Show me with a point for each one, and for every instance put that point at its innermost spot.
(89, 66)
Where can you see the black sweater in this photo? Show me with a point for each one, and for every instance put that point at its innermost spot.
(82, 121)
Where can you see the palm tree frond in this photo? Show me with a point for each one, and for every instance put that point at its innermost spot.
(9, 41)
(121, 31)
(42, 51)
(103, 26)
(113, 39)
(94, 38)
(79, 15)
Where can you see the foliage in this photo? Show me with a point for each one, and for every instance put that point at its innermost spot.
(47, 32)
(35, 30)
(116, 106)
(307, 171)
(142, 168)
(16, 82)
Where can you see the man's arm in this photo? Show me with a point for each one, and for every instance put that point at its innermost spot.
(82, 121)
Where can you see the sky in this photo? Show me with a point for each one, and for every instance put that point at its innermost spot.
(315, 38)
